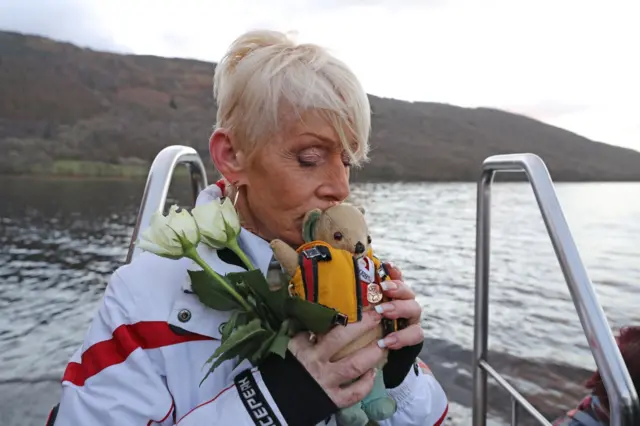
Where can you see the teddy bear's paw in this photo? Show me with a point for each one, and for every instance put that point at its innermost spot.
(380, 409)
(284, 254)
(352, 416)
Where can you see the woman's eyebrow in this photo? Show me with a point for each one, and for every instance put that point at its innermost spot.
(323, 138)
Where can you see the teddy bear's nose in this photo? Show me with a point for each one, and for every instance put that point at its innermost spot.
(359, 248)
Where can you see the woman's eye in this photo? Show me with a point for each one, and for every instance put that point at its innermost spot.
(309, 158)
(306, 163)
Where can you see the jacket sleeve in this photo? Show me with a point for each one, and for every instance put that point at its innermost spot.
(268, 395)
(267, 401)
(420, 398)
(111, 380)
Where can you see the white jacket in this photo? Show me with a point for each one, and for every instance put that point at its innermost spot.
(142, 360)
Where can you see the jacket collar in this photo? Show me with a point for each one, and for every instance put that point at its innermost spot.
(188, 313)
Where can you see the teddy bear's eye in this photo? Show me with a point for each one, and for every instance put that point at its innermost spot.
(337, 236)
(369, 239)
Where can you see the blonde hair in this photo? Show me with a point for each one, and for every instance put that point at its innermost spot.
(265, 76)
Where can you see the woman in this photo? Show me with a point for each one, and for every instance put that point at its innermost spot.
(291, 121)
(594, 409)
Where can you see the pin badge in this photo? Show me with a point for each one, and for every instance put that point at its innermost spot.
(374, 294)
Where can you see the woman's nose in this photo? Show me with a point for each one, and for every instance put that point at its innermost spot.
(336, 186)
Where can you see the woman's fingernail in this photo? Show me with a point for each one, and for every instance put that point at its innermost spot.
(387, 341)
(385, 307)
(388, 285)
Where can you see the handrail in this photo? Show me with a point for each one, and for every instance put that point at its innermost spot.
(623, 399)
(157, 186)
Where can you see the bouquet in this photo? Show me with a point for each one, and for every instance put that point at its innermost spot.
(263, 320)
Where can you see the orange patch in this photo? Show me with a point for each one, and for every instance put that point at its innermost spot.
(424, 367)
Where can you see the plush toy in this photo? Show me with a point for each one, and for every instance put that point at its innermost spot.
(336, 268)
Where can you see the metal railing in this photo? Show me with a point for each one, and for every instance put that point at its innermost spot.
(623, 399)
(157, 186)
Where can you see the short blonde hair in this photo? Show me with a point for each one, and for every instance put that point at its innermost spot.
(265, 76)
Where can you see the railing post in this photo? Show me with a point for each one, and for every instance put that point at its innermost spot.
(156, 188)
(623, 398)
(481, 322)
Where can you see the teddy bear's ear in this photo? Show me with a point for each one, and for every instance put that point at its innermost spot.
(309, 226)
(361, 209)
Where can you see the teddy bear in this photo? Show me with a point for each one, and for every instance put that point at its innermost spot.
(335, 267)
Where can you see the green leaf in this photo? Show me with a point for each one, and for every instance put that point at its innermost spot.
(251, 348)
(295, 326)
(211, 293)
(257, 356)
(241, 353)
(258, 284)
(280, 345)
(268, 304)
(238, 336)
(242, 286)
(237, 319)
(312, 316)
(235, 344)
(277, 343)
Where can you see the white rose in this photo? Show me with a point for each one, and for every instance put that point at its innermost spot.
(211, 224)
(231, 219)
(172, 235)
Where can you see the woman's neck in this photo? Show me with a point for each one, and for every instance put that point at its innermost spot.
(249, 222)
(247, 219)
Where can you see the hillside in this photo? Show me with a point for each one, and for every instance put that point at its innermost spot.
(60, 103)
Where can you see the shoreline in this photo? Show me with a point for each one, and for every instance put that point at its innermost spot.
(180, 173)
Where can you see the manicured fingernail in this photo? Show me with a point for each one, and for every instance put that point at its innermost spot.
(385, 307)
(387, 341)
(388, 285)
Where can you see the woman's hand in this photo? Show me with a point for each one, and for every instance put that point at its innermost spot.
(403, 306)
(359, 366)
(331, 376)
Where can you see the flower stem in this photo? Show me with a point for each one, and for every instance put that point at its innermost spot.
(234, 247)
(193, 255)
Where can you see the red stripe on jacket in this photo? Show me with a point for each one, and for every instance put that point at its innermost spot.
(126, 339)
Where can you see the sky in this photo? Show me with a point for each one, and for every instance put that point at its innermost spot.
(569, 63)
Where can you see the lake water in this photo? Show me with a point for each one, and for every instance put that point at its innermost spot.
(61, 239)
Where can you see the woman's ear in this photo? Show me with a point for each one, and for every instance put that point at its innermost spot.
(229, 162)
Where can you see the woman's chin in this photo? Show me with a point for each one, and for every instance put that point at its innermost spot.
(295, 243)
(294, 239)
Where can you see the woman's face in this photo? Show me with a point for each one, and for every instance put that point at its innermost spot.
(307, 168)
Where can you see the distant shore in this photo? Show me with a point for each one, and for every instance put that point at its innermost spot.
(74, 112)
(83, 169)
